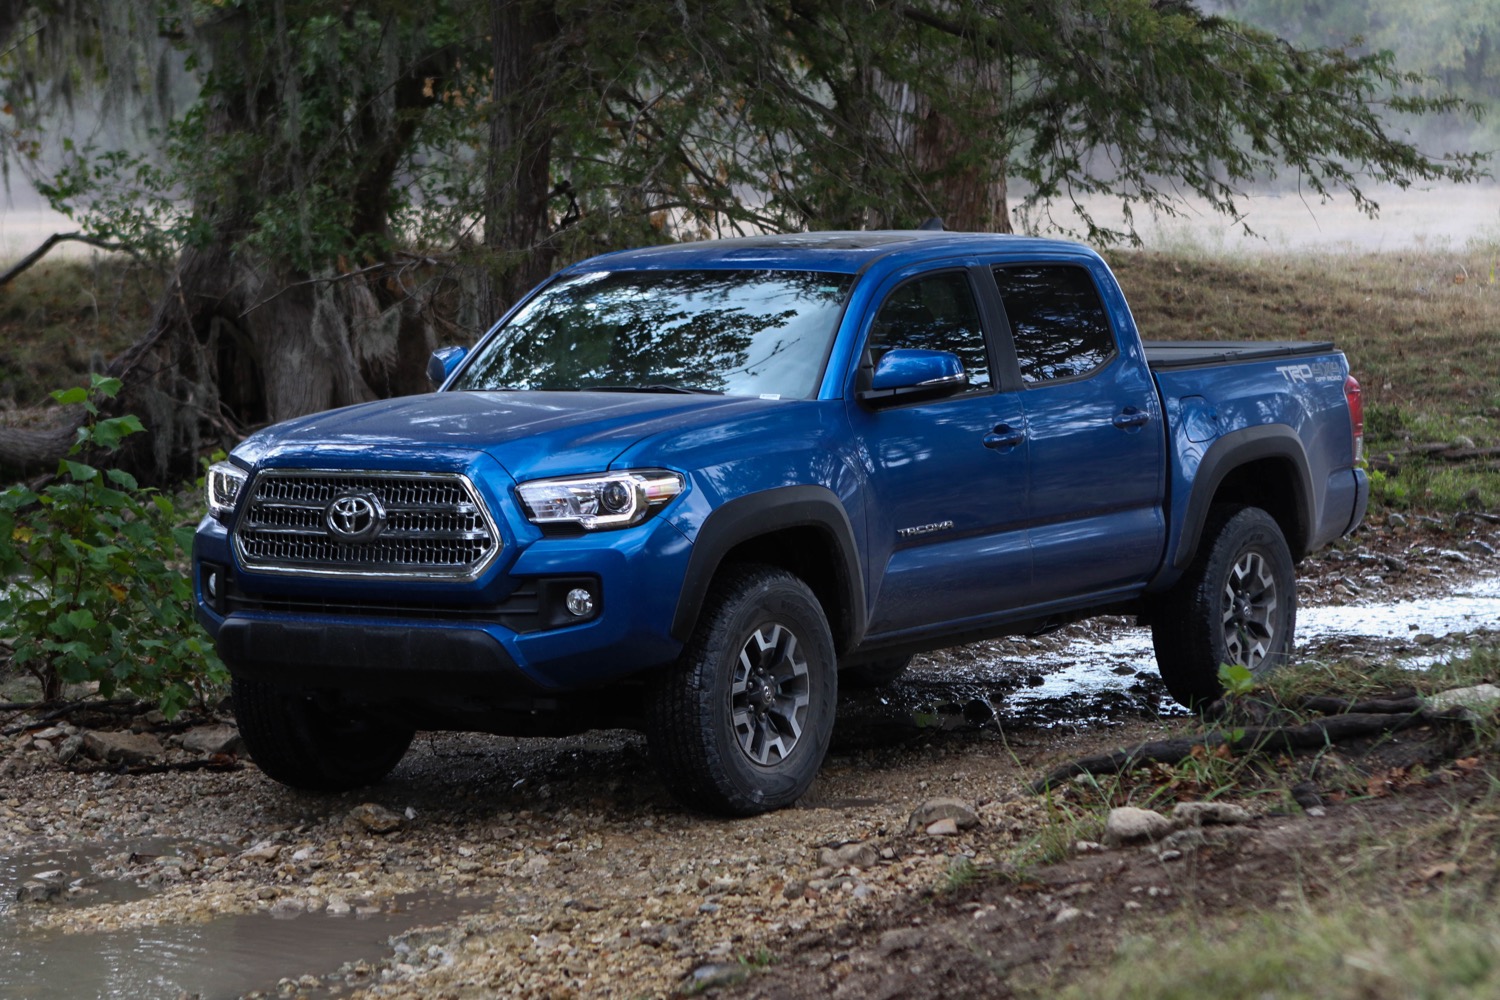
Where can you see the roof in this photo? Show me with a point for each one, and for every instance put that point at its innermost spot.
(846, 252)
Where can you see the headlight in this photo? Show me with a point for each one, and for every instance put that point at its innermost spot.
(608, 500)
(223, 484)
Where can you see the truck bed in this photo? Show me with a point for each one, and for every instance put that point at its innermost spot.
(1168, 354)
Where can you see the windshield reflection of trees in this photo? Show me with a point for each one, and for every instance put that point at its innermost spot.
(1056, 319)
(755, 332)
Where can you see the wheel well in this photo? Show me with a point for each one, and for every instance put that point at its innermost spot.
(810, 554)
(1272, 485)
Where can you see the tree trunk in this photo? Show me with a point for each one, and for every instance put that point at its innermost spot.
(968, 185)
(518, 179)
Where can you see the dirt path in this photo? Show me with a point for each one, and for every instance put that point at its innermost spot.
(559, 868)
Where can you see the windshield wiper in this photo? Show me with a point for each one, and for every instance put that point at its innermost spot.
(690, 390)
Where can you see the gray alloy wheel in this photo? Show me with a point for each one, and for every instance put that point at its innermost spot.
(770, 695)
(1236, 604)
(740, 723)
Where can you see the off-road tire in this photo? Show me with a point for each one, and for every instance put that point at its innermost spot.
(718, 720)
(299, 743)
(1236, 604)
(875, 673)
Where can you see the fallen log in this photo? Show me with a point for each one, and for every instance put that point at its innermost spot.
(1306, 736)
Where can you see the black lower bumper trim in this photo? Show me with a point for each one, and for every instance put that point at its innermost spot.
(372, 660)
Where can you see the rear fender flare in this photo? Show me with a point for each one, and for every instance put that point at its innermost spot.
(1233, 451)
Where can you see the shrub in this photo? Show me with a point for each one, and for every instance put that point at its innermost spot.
(94, 574)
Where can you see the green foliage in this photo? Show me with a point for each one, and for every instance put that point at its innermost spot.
(1236, 679)
(95, 586)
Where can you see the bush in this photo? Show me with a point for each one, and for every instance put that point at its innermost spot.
(94, 571)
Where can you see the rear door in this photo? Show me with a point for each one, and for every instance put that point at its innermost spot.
(1094, 429)
(946, 527)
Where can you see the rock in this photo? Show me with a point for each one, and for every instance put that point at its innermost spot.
(265, 851)
(1202, 813)
(1425, 639)
(39, 891)
(1480, 546)
(69, 749)
(1183, 841)
(1452, 555)
(1478, 696)
(1129, 825)
(1306, 795)
(288, 907)
(715, 974)
(1395, 520)
(213, 739)
(1067, 915)
(860, 854)
(901, 939)
(960, 812)
(945, 827)
(1393, 564)
(376, 818)
(121, 747)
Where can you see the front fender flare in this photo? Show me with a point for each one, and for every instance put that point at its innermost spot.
(758, 514)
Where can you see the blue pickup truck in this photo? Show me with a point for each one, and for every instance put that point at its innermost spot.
(688, 488)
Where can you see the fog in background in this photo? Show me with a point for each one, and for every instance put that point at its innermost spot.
(1281, 216)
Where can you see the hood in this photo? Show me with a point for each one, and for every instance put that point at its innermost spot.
(530, 433)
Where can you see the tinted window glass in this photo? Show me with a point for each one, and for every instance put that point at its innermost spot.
(1056, 320)
(935, 313)
(739, 332)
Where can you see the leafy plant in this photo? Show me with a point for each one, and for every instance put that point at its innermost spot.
(93, 571)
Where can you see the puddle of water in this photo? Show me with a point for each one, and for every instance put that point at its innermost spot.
(77, 865)
(217, 960)
(1108, 670)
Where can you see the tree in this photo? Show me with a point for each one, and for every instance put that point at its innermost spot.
(332, 174)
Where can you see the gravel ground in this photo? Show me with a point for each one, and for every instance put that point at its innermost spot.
(576, 874)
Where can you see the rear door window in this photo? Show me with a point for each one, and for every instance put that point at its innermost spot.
(1057, 322)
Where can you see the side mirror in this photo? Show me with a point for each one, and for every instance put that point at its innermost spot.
(908, 375)
(442, 363)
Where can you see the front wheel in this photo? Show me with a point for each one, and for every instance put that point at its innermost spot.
(1237, 604)
(300, 742)
(741, 723)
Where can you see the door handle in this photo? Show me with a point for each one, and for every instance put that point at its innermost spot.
(1004, 437)
(1131, 418)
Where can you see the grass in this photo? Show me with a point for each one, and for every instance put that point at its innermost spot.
(1347, 953)
(1421, 329)
(64, 318)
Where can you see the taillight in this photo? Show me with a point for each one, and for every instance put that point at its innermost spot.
(1356, 414)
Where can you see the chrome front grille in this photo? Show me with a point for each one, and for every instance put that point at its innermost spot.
(365, 524)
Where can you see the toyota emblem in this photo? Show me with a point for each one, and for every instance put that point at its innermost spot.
(355, 517)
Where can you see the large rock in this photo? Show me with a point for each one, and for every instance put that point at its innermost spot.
(213, 740)
(376, 818)
(121, 747)
(1129, 825)
(960, 812)
(1478, 696)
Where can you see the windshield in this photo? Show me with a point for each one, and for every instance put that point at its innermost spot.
(757, 333)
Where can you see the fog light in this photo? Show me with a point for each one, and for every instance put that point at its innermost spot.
(211, 584)
(580, 602)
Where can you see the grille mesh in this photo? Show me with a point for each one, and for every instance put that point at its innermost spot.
(434, 525)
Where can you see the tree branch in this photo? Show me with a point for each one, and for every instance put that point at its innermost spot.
(54, 240)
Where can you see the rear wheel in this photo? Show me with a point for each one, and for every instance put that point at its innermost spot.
(741, 723)
(300, 742)
(1237, 604)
